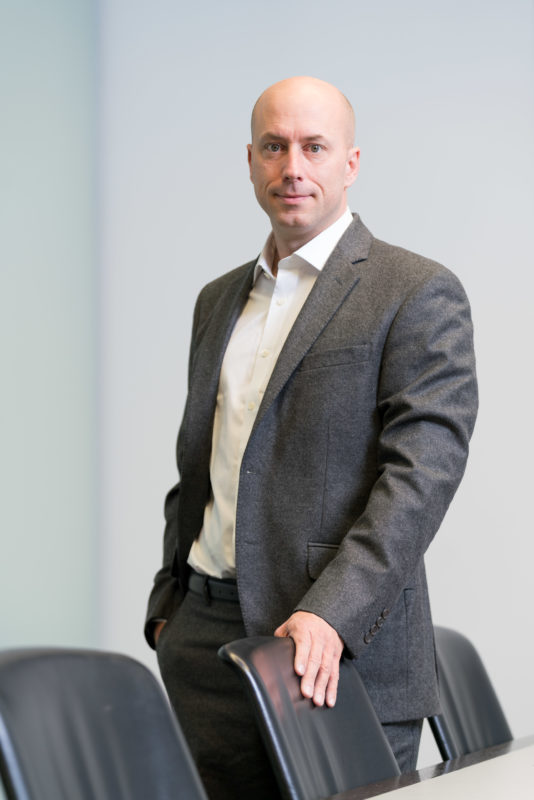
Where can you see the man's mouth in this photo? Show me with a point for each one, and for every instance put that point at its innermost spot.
(292, 199)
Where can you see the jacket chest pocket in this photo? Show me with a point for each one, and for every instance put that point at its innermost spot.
(335, 357)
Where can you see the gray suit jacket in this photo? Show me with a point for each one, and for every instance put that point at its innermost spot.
(356, 452)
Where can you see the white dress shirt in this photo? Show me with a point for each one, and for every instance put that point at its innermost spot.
(255, 344)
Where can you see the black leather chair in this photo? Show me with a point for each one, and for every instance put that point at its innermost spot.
(472, 717)
(315, 751)
(88, 725)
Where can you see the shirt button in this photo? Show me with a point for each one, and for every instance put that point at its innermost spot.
(264, 353)
(251, 406)
(280, 301)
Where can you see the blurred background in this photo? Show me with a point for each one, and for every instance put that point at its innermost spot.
(124, 188)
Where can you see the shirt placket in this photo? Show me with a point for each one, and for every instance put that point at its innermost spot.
(270, 343)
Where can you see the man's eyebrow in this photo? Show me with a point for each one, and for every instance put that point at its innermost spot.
(316, 137)
(271, 135)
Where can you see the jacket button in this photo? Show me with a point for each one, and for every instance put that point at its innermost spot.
(385, 613)
(380, 621)
(367, 638)
(374, 630)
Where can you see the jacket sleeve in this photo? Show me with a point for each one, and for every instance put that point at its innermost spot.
(427, 403)
(166, 594)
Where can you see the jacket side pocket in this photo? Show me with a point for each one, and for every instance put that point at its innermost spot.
(320, 554)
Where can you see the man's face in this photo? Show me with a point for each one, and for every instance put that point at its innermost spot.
(301, 159)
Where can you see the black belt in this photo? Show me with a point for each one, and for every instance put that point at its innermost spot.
(213, 588)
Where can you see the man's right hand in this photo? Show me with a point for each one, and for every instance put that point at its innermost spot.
(158, 628)
(318, 649)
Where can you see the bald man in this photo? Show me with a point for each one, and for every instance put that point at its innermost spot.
(332, 395)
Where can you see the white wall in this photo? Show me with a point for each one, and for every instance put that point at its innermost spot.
(443, 97)
(48, 443)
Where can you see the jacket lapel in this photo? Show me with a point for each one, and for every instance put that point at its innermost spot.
(337, 278)
(202, 398)
(208, 357)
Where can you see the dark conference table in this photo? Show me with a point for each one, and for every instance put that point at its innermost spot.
(504, 772)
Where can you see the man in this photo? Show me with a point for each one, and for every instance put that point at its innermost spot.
(332, 396)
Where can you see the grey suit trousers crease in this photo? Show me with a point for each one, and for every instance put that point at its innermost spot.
(214, 711)
(210, 703)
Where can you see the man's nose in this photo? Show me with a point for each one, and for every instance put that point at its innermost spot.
(293, 166)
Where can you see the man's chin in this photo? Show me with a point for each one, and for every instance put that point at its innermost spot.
(292, 219)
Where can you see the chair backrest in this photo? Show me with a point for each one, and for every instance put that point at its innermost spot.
(86, 724)
(315, 751)
(472, 717)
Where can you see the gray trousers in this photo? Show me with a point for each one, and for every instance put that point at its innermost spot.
(215, 714)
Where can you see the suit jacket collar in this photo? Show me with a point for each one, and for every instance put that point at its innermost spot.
(338, 277)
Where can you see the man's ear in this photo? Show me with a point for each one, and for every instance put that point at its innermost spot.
(353, 166)
(249, 159)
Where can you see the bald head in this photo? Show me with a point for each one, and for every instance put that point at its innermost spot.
(303, 93)
(302, 159)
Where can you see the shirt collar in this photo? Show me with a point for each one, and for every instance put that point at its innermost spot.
(315, 252)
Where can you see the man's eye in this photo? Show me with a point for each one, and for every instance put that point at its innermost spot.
(315, 148)
(273, 147)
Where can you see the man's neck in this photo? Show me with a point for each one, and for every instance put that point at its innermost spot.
(284, 247)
